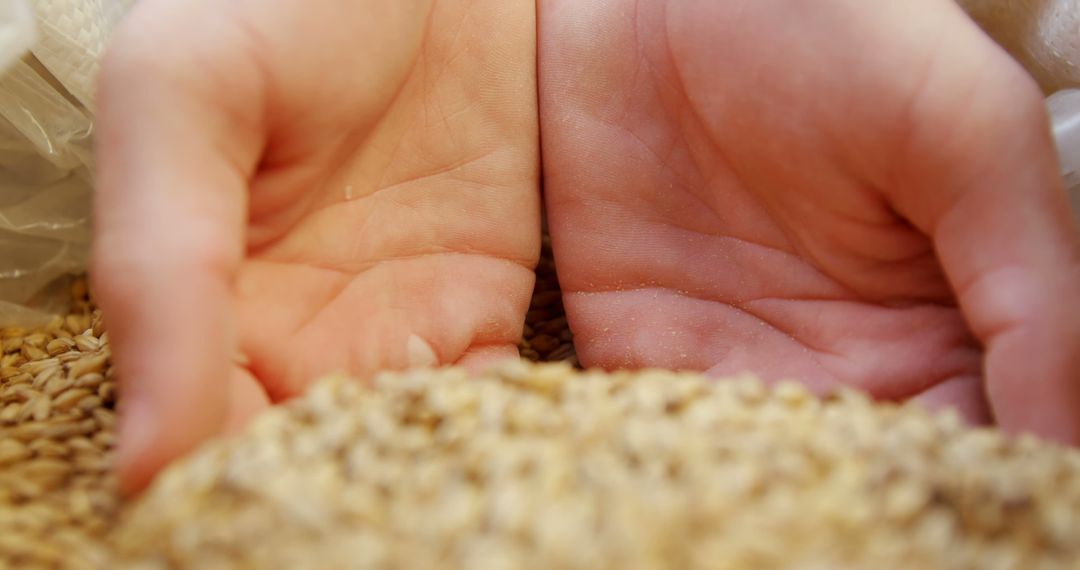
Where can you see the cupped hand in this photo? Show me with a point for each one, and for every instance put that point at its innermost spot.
(291, 188)
(843, 192)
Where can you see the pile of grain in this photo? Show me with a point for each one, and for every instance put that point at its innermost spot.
(543, 467)
(57, 415)
(57, 399)
(528, 467)
(547, 337)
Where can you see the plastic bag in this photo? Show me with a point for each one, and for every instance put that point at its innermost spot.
(46, 123)
(1064, 108)
(17, 31)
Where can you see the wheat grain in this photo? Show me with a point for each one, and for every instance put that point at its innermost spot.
(56, 494)
(546, 468)
(546, 335)
(525, 468)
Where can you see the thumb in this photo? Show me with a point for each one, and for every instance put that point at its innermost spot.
(178, 139)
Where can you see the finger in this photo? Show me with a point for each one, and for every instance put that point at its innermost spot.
(980, 177)
(175, 150)
(478, 360)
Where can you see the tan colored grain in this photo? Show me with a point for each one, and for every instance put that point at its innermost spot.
(56, 492)
(31, 352)
(546, 336)
(35, 367)
(76, 324)
(59, 346)
(10, 412)
(87, 343)
(70, 398)
(92, 380)
(11, 345)
(45, 376)
(542, 467)
(90, 365)
(90, 404)
(526, 468)
(107, 392)
(49, 448)
(36, 340)
(12, 451)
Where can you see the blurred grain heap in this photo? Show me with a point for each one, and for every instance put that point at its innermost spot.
(57, 399)
(542, 467)
(527, 467)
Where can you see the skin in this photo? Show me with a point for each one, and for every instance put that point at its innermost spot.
(807, 190)
(839, 192)
(370, 178)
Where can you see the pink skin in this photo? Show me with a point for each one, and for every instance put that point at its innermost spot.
(292, 188)
(840, 192)
(837, 191)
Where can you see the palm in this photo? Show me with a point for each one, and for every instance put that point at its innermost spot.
(397, 197)
(721, 200)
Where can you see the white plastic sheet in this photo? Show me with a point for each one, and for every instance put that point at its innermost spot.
(46, 125)
(1064, 108)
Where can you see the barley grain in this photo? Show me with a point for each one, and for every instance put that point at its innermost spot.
(57, 385)
(526, 468)
(22, 378)
(11, 345)
(36, 340)
(49, 448)
(92, 380)
(10, 412)
(42, 407)
(12, 451)
(91, 365)
(91, 404)
(56, 495)
(106, 419)
(546, 468)
(107, 392)
(35, 367)
(87, 343)
(70, 399)
(59, 346)
(76, 323)
(69, 356)
(45, 376)
(104, 439)
(31, 352)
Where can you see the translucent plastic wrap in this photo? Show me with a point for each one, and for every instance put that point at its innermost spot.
(17, 31)
(45, 145)
(1064, 107)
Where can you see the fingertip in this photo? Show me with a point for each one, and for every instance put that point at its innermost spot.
(1036, 394)
(138, 457)
(478, 360)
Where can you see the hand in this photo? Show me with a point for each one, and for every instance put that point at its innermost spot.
(843, 192)
(293, 188)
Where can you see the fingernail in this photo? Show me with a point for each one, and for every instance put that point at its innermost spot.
(420, 353)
